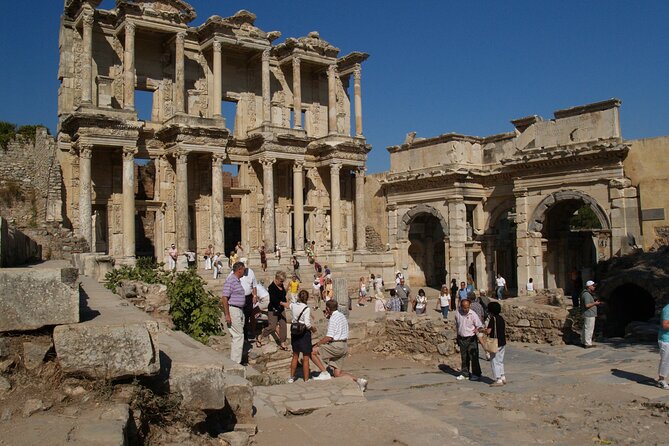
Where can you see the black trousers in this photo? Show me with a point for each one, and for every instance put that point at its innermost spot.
(469, 354)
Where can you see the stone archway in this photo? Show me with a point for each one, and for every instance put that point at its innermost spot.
(568, 250)
(423, 229)
(500, 246)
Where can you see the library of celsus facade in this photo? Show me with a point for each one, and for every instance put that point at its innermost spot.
(458, 205)
(134, 185)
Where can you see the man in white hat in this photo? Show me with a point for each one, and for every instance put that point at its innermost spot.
(589, 308)
(249, 283)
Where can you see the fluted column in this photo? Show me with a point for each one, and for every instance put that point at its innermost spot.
(85, 206)
(179, 75)
(332, 100)
(218, 79)
(129, 201)
(335, 206)
(217, 205)
(297, 94)
(87, 62)
(357, 93)
(268, 192)
(298, 205)
(266, 93)
(360, 222)
(182, 201)
(129, 66)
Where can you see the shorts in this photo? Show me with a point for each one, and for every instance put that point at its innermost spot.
(334, 353)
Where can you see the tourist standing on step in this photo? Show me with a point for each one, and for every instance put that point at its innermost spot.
(263, 258)
(191, 258)
(232, 259)
(172, 257)
(296, 267)
(444, 302)
(468, 324)
(500, 286)
(207, 257)
(420, 307)
(277, 252)
(276, 316)
(301, 343)
(663, 341)
(249, 283)
(454, 294)
(496, 328)
(589, 308)
(318, 295)
(403, 292)
(333, 348)
(461, 294)
(329, 289)
(238, 249)
(362, 292)
(216, 264)
(294, 288)
(394, 303)
(232, 300)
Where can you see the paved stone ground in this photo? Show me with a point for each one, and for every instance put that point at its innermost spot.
(555, 395)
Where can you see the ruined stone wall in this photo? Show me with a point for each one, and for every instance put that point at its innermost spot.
(16, 248)
(537, 324)
(647, 166)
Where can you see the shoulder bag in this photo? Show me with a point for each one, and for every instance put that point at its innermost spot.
(489, 343)
(298, 328)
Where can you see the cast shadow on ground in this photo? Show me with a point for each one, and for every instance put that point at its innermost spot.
(636, 377)
(454, 373)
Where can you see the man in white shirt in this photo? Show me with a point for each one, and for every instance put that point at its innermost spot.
(468, 325)
(500, 286)
(249, 283)
(333, 348)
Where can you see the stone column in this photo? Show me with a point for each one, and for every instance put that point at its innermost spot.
(332, 100)
(218, 79)
(298, 206)
(182, 202)
(357, 93)
(335, 206)
(266, 92)
(268, 192)
(217, 205)
(87, 61)
(85, 206)
(297, 94)
(524, 254)
(457, 217)
(129, 66)
(179, 75)
(129, 201)
(360, 221)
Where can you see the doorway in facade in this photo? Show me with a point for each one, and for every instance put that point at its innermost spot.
(145, 233)
(427, 264)
(627, 303)
(233, 234)
(506, 252)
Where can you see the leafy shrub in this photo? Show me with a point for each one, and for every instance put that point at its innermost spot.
(194, 310)
(146, 270)
(10, 193)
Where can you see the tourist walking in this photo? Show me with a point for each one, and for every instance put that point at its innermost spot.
(172, 257)
(232, 300)
(294, 288)
(589, 308)
(378, 285)
(333, 348)
(468, 324)
(277, 252)
(249, 283)
(404, 293)
(420, 306)
(216, 264)
(276, 316)
(500, 286)
(263, 258)
(238, 249)
(207, 257)
(232, 259)
(317, 290)
(461, 294)
(362, 292)
(496, 329)
(394, 303)
(530, 287)
(663, 341)
(329, 289)
(296, 266)
(444, 302)
(454, 294)
(191, 258)
(301, 343)
(398, 277)
(476, 306)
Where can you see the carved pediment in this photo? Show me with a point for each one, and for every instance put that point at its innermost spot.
(172, 10)
(310, 44)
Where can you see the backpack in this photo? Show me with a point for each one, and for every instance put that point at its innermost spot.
(298, 328)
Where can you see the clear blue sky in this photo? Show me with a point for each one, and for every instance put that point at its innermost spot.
(435, 66)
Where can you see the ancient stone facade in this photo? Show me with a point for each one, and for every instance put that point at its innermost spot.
(301, 167)
(504, 203)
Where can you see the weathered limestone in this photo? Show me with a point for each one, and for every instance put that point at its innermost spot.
(298, 187)
(129, 67)
(31, 298)
(360, 221)
(268, 188)
(357, 92)
(87, 62)
(85, 209)
(179, 75)
(332, 100)
(218, 79)
(113, 341)
(297, 94)
(217, 207)
(129, 202)
(182, 202)
(335, 206)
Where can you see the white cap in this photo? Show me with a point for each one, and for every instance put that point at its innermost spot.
(589, 283)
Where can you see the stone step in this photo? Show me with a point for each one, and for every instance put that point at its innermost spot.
(113, 340)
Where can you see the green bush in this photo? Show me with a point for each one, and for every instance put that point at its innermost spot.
(146, 270)
(194, 310)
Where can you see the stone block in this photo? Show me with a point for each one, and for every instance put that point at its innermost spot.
(5, 385)
(302, 407)
(234, 438)
(32, 298)
(523, 323)
(4, 347)
(239, 397)
(34, 353)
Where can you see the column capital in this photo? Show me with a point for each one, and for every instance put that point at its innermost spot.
(332, 70)
(265, 55)
(335, 167)
(519, 192)
(129, 153)
(298, 165)
(217, 46)
(268, 162)
(88, 17)
(181, 36)
(296, 62)
(181, 156)
(85, 151)
(357, 71)
(217, 159)
(360, 170)
(130, 27)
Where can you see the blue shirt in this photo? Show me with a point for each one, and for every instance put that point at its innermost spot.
(663, 335)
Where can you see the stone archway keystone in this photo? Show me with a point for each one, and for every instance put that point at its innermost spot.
(403, 227)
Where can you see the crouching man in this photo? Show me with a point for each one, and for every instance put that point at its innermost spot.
(333, 348)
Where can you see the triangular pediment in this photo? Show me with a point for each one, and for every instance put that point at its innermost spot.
(174, 10)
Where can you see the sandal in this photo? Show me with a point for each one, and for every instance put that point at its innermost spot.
(258, 342)
(283, 347)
